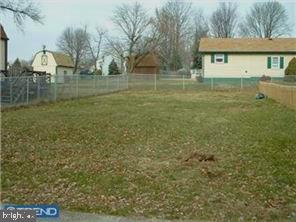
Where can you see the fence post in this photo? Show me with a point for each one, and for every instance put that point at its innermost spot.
(28, 90)
(10, 90)
(291, 97)
(242, 84)
(55, 88)
(94, 84)
(38, 88)
(77, 86)
(107, 82)
(212, 83)
(118, 82)
(127, 81)
(155, 87)
(183, 82)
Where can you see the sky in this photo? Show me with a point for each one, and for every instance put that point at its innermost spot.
(59, 14)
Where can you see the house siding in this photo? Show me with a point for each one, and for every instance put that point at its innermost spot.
(49, 68)
(60, 70)
(238, 64)
(2, 54)
(146, 70)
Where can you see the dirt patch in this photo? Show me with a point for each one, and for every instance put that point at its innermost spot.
(200, 157)
(201, 161)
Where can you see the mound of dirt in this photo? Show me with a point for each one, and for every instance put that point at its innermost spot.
(200, 157)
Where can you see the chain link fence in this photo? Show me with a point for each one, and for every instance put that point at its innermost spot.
(185, 82)
(26, 90)
(29, 90)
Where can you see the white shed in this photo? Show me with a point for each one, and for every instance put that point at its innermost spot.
(57, 64)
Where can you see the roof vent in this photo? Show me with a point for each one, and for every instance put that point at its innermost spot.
(44, 49)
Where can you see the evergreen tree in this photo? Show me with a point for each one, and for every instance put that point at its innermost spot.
(113, 68)
(197, 59)
(16, 68)
(291, 69)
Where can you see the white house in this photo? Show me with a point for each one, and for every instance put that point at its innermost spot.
(3, 49)
(57, 64)
(246, 57)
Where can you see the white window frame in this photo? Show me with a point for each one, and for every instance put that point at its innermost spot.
(45, 58)
(278, 64)
(219, 56)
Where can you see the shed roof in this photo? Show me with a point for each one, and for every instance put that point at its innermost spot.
(2, 33)
(62, 59)
(248, 45)
(150, 60)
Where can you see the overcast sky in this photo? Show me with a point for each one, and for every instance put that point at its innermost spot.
(58, 14)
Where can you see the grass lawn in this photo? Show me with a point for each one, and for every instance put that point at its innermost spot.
(184, 154)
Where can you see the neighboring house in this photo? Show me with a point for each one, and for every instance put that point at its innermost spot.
(3, 50)
(147, 65)
(57, 64)
(247, 57)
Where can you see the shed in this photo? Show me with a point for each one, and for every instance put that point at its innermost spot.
(149, 64)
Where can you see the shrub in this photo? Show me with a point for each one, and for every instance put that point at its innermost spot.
(290, 78)
(199, 78)
(98, 72)
(265, 78)
(113, 68)
(291, 69)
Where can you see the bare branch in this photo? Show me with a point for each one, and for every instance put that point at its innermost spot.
(135, 26)
(21, 9)
(175, 25)
(73, 42)
(266, 20)
(224, 20)
(95, 44)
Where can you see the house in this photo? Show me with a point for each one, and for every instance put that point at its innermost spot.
(3, 50)
(57, 64)
(149, 64)
(246, 57)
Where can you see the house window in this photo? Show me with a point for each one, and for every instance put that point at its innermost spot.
(44, 60)
(219, 58)
(275, 62)
(65, 72)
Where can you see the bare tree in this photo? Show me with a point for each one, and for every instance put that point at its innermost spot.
(174, 24)
(223, 21)
(95, 44)
(73, 42)
(201, 30)
(138, 38)
(200, 25)
(116, 48)
(265, 20)
(21, 9)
